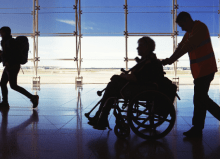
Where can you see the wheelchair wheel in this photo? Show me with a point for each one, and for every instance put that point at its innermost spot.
(122, 131)
(151, 114)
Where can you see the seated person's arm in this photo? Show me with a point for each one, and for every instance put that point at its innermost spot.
(129, 77)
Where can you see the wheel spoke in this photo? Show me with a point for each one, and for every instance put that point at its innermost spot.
(151, 114)
(140, 118)
(141, 124)
(159, 118)
(141, 112)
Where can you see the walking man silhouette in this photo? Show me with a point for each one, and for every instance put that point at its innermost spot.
(10, 59)
(197, 43)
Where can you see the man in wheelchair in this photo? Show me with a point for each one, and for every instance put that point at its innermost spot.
(148, 69)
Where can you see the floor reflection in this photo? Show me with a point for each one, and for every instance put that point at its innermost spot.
(9, 138)
(79, 121)
(58, 129)
(130, 148)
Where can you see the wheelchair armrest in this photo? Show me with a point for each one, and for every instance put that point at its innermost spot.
(151, 85)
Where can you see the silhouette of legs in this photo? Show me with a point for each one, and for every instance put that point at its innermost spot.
(202, 102)
(10, 75)
(112, 90)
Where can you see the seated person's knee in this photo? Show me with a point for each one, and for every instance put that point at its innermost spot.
(13, 86)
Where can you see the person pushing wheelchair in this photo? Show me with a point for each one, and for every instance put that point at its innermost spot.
(197, 42)
(147, 69)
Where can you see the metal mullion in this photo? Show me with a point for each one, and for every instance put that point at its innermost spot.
(36, 53)
(79, 25)
(34, 29)
(126, 34)
(76, 32)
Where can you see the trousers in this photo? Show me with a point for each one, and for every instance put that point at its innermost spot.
(202, 101)
(112, 90)
(10, 74)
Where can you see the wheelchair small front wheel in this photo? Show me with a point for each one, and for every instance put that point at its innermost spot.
(122, 131)
(151, 114)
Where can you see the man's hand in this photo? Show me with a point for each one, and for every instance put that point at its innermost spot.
(166, 61)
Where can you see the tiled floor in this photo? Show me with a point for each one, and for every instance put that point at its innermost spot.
(59, 130)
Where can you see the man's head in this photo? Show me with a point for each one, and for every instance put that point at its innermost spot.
(185, 21)
(5, 31)
(146, 45)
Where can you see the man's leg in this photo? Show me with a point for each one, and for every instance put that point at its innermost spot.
(12, 77)
(4, 89)
(213, 108)
(200, 100)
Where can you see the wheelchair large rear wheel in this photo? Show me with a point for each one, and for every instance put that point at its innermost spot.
(151, 114)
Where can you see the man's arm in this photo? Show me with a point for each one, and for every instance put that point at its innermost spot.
(177, 53)
(188, 44)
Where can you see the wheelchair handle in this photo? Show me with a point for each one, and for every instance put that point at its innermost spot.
(124, 71)
(99, 93)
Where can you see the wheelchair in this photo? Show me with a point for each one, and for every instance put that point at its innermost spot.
(146, 110)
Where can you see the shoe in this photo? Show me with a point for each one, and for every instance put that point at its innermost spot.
(193, 133)
(35, 100)
(98, 127)
(4, 104)
(4, 107)
(92, 121)
(101, 124)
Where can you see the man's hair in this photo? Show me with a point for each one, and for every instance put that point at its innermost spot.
(6, 30)
(149, 42)
(182, 16)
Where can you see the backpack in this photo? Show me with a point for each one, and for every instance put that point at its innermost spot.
(23, 48)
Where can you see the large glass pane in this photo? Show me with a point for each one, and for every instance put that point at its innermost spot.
(103, 52)
(101, 18)
(57, 52)
(17, 15)
(103, 24)
(153, 16)
(56, 17)
(205, 11)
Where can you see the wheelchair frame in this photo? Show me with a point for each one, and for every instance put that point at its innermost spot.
(150, 114)
(142, 114)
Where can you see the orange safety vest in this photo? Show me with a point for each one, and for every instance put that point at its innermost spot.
(202, 59)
